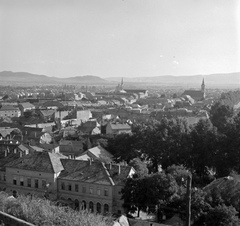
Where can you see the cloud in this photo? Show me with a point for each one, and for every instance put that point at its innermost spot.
(161, 56)
(175, 62)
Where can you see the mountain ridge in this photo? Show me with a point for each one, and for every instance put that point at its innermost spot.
(26, 77)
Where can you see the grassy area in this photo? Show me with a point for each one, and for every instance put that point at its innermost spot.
(43, 212)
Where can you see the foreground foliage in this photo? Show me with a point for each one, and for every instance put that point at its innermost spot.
(43, 212)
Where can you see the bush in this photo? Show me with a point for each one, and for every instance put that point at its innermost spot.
(45, 213)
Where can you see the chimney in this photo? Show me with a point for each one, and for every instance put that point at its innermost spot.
(5, 154)
(90, 161)
(110, 165)
(119, 169)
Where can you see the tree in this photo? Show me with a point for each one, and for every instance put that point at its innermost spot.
(220, 115)
(222, 215)
(203, 140)
(122, 147)
(139, 166)
(147, 192)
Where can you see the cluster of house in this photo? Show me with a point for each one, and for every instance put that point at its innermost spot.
(83, 180)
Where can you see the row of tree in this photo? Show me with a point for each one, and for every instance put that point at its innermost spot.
(165, 153)
(209, 148)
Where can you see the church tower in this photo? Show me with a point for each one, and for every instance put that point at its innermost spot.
(121, 86)
(203, 88)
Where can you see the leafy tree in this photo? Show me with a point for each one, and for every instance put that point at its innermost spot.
(139, 166)
(147, 192)
(123, 148)
(220, 115)
(204, 140)
(222, 215)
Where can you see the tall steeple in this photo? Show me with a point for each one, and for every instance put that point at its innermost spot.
(203, 88)
(121, 86)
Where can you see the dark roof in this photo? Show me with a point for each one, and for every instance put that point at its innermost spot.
(46, 113)
(194, 93)
(94, 172)
(27, 105)
(52, 103)
(6, 131)
(135, 90)
(39, 161)
(119, 126)
(5, 160)
(9, 108)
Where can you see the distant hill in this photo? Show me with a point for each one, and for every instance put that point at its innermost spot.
(210, 79)
(86, 79)
(23, 77)
(9, 77)
(217, 80)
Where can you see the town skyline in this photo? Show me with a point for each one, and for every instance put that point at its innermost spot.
(120, 38)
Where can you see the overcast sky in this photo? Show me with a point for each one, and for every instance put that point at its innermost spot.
(126, 38)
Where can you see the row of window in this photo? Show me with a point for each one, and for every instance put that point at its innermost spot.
(91, 206)
(68, 187)
(36, 182)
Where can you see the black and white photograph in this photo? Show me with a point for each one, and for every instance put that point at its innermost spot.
(120, 112)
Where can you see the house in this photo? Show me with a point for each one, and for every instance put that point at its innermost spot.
(117, 128)
(90, 127)
(96, 153)
(9, 111)
(5, 158)
(26, 106)
(7, 133)
(47, 115)
(71, 147)
(35, 173)
(93, 185)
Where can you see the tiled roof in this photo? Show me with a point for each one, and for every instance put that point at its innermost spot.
(84, 171)
(119, 126)
(27, 105)
(100, 153)
(39, 161)
(9, 108)
(46, 113)
(194, 93)
(5, 160)
(6, 131)
(94, 172)
(22, 147)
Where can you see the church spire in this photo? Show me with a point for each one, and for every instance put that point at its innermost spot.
(121, 85)
(203, 86)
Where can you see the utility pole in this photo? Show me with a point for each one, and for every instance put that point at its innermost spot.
(189, 186)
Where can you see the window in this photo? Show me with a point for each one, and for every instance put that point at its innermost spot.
(29, 182)
(98, 191)
(69, 187)
(83, 189)
(62, 186)
(98, 207)
(21, 181)
(44, 184)
(36, 183)
(91, 190)
(105, 192)
(91, 207)
(76, 187)
(106, 208)
(14, 180)
(84, 205)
